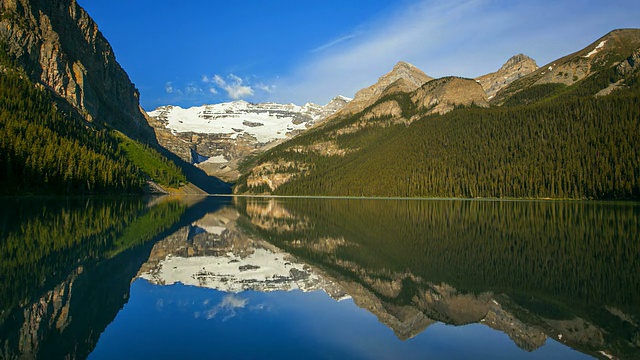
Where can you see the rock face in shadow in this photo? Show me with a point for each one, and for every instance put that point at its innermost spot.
(61, 47)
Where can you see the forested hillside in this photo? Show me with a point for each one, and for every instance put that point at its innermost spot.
(43, 150)
(547, 141)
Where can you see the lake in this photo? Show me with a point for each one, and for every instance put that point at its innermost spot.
(282, 278)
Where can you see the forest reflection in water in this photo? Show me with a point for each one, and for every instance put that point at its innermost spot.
(566, 270)
(531, 270)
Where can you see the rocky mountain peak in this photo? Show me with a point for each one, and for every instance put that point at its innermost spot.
(518, 61)
(613, 49)
(413, 79)
(443, 95)
(516, 67)
(217, 137)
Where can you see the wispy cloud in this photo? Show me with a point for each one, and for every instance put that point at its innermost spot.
(441, 37)
(168, 87)
(266, 88)
(337, 41)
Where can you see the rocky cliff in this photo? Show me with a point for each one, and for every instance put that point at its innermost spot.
(61, 47)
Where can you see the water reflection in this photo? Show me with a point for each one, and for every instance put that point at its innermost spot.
(286, 276)
(530, 269)
(66, 266)
(213, 252)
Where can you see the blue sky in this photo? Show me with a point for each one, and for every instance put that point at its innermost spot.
(196, 52)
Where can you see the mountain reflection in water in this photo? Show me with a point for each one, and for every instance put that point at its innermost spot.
(546, 274)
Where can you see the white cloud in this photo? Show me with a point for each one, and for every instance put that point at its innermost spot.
(266, 88)
(193, 90)
(168, 87)
(235, 87)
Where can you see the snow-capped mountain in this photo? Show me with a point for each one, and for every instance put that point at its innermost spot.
(266, 122)
(219, 135)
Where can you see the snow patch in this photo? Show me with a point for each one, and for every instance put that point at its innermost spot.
(597, 48)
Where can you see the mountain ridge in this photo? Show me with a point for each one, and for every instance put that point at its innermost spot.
(605, 52)
(96, 136)
(403, 145)
(516, 67)
(413, 79)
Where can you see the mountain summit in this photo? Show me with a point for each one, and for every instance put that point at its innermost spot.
(217, 137)
(412, 78)
(611, 50)
(515, 68)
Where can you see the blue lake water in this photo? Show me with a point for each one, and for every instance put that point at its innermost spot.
(178, 321)
(319, 278)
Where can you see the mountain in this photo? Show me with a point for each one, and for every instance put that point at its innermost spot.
(619, 48)
(547, 140)
(443, 95)
(215, 253)
(403, 77)
(217, 137)
(71, 119)
(515, 68)
(59, 46)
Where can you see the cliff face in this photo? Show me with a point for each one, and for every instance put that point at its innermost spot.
(60, 47)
